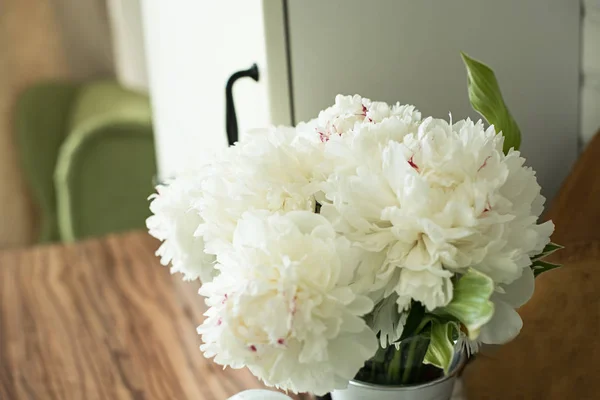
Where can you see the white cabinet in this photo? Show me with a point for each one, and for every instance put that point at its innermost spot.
(408, 51)
(394, 50)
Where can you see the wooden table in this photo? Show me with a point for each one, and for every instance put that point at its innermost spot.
(557, 354)
(102, 320)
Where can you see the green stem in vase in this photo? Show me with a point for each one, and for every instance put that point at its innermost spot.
(395, 366)
(412, 348)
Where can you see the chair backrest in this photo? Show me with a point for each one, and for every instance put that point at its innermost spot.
(40, 120)
(106, 165)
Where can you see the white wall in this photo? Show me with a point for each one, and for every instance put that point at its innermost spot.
(409, 51)
(192, 48)
(590, 92)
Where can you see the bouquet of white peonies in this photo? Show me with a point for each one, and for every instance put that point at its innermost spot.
(324, 246)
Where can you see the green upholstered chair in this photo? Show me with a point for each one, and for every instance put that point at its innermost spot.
(41, 120)
(104, 165)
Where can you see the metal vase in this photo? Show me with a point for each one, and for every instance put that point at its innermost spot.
(439, 389)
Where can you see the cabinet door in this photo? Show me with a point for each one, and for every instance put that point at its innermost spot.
(192, 48)
(408, 51)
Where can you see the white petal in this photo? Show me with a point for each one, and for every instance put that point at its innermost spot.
(520, 291)
(347, 363)
(504, 326)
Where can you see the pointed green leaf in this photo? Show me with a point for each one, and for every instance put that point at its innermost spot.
(549, 249)
(486, 99)
(539, 267)
(441, 347)
(471, 303)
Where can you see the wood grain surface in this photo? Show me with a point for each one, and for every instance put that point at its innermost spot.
(103, 320)
(557, 354)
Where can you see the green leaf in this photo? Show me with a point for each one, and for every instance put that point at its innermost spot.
(441, 347)
(486, 99)
(471, 303)
(549, 249)
(539, 267)
(413, 321)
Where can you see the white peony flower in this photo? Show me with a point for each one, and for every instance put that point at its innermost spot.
(283, 307)
(174, 223)
(434, 197)
(272, 170)
(354, 150)
(350, 112)
(405, 204)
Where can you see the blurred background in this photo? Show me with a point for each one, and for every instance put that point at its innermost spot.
(101, 98)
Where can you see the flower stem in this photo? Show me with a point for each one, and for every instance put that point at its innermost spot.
(412, 347)
(395, 366)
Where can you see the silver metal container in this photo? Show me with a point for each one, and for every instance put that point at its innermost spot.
(439, 389)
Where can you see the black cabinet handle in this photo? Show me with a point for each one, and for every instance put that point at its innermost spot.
(230, 117)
